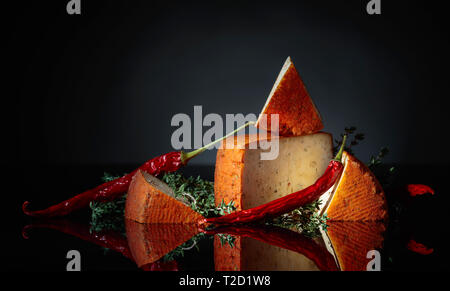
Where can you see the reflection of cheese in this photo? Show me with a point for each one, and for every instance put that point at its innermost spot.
(357, 196)
(150, 242)
(243, 177)
(350, 241)
(265, 248)
(344, 246)
(252, 255)
(149, 200)
(290, 100)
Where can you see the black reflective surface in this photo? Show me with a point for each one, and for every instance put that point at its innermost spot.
(33, 244)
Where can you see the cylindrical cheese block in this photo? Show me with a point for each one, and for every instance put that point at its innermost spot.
(243, 177)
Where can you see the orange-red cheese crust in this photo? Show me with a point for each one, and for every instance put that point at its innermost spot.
(358, 196)
(290, 100)
(148, 204)
(352, 240)
(150, 242)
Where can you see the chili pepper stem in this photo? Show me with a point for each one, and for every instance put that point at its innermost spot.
(185, 157)
(341, 150)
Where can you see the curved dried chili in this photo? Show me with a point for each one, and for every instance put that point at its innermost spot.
(289, 202)
(419, 189)
(419, 248)
(111, 190)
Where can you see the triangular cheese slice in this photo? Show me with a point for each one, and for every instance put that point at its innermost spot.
(149, 200)
(350, 242)
(290, 100)
(357, 196)
(150, 242)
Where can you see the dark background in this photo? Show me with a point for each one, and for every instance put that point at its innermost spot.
(102, 87)
(84, 94)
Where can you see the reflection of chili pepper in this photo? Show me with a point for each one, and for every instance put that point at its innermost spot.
(287, 203)
(419, 248)
(107, 239)
(419, 189)
(161, 266)
(283, 238)
(108, 191)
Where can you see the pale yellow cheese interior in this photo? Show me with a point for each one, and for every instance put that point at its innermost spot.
(260, 256)
(300, 162)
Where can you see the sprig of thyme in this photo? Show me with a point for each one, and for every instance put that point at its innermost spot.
(179, 251)
(107, 177)
(377, 160)
(108, 215)
(199, 193)
(352, 135)
(305, 220)
(385, 174)
(200, 196)
(226, 239)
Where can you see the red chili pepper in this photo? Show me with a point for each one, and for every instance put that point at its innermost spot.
(283, 238)
(108, 191)
(419, 248)
(419, 189)
(287, 203)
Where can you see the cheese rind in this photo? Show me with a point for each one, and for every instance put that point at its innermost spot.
(150, 242)
(226, 257)
(350, 241)
(357, 196)
(241, 176)
(149, 200)
(289, 99)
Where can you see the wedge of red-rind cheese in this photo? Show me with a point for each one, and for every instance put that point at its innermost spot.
(290, 100)
(150, 242)
(351, 241)
(356, 196)
(149, 200)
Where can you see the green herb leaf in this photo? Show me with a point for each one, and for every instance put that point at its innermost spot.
(305, 220)
(353, 137)
(199, 193)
